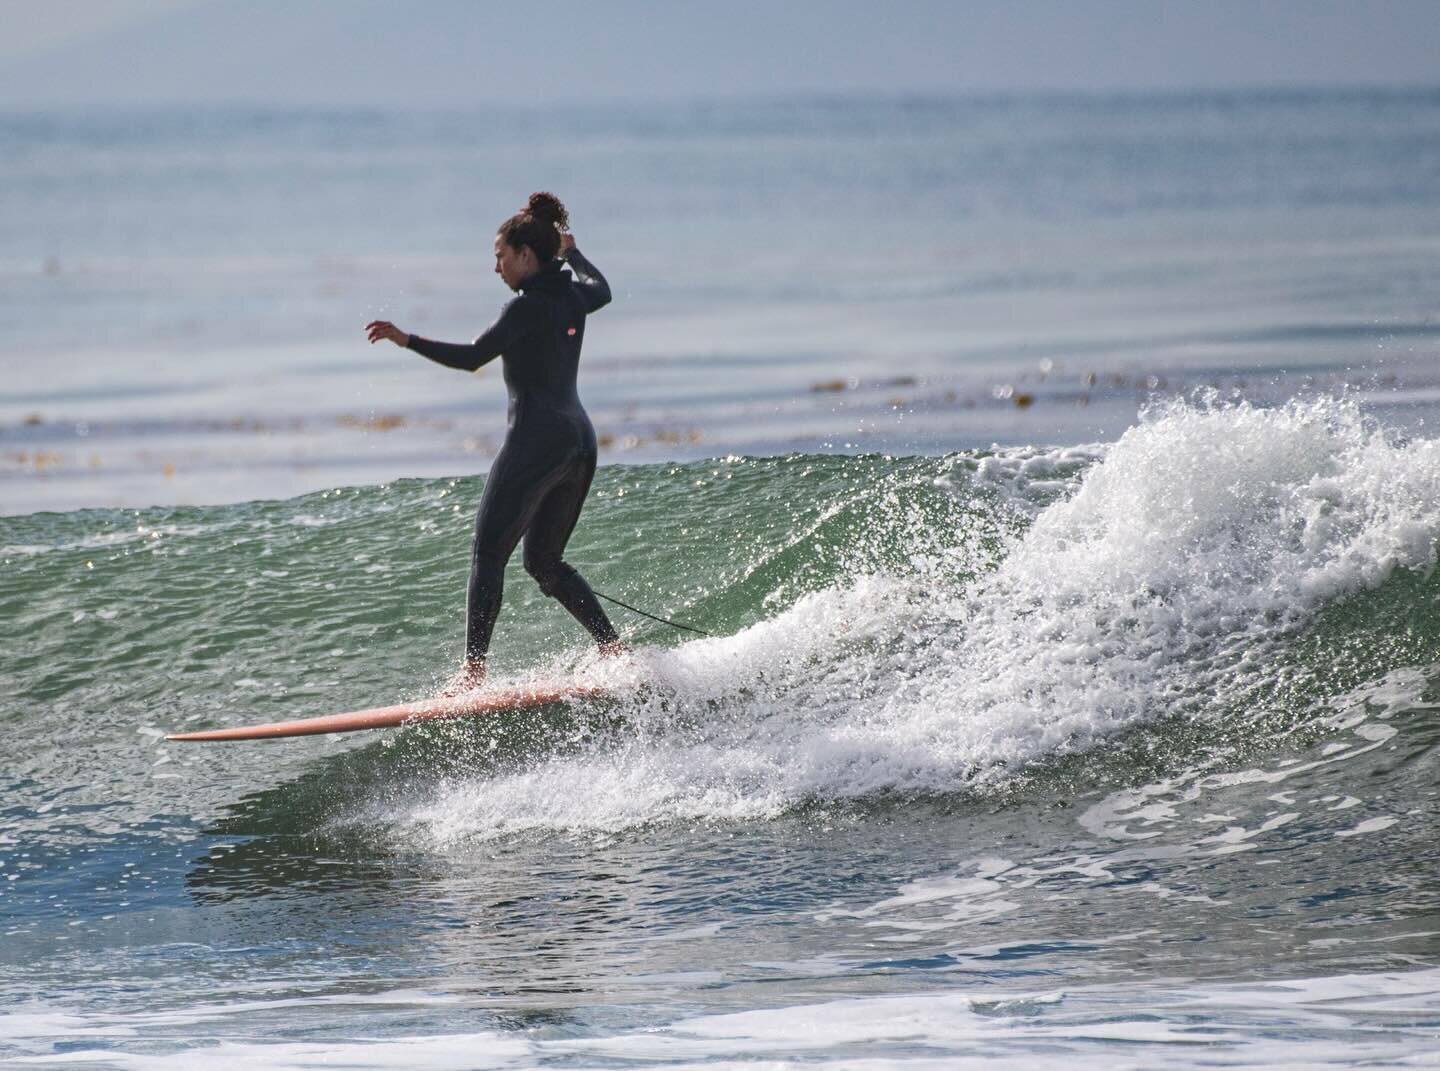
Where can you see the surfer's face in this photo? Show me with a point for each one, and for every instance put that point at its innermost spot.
(512, 264)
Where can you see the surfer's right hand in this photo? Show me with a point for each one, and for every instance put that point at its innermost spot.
(378, 329)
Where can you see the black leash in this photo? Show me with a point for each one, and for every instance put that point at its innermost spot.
(652, 617)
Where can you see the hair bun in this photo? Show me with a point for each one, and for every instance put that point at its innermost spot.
(546, 208)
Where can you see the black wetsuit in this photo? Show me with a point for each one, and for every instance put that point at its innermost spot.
(539, 480)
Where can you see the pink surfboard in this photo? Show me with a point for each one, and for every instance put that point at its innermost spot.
(467, 705)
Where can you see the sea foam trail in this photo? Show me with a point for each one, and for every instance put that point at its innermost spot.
(1341, 1021)
(1180, 560)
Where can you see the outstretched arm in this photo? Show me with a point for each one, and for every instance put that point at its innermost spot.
(467, 357)
(594, 290)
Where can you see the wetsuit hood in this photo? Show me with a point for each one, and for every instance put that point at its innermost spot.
(551, 278)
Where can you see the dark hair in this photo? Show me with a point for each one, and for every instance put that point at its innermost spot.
(538, 225)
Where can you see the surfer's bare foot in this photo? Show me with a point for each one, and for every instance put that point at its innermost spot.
(469, 677)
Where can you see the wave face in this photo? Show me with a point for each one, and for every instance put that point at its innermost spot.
(882, 626)
(929, 627)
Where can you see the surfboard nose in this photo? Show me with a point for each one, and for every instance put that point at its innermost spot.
(471, 704)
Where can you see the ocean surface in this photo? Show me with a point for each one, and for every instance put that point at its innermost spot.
(1056, 478)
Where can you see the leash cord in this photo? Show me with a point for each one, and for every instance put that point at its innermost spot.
(652, 617)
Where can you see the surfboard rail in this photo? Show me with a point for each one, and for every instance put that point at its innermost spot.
(439, 708)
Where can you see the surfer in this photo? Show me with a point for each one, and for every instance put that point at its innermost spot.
(538, 483)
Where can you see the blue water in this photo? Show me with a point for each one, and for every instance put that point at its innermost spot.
(185, 292)
(1055, 476)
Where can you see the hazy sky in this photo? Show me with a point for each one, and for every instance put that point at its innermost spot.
(461, 53)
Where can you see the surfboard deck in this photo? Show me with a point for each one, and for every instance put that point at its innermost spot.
(467, 705)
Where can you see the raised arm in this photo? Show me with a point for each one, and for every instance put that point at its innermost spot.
(594, 290)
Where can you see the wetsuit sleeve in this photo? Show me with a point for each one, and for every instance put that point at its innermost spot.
(500, 336)
(594, 290)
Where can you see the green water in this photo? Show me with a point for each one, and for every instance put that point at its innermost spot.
(962, 718)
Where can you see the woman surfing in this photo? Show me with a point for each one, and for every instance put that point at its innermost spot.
(538, 482)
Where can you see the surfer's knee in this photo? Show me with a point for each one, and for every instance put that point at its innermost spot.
(548, 570)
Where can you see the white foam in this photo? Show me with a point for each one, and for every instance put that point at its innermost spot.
(1163, 584)
(1340, 1021)
(1370, 825)
(1027, 478)
(1311, 1022)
